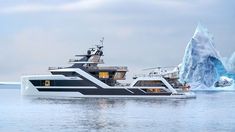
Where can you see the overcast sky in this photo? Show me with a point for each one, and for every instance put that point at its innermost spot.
(138, 33)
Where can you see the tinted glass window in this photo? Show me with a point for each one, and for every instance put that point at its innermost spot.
(150, 83)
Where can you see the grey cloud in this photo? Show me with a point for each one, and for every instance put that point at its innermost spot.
(64, 7)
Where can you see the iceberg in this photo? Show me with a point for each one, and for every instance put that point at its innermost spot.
(230, 63)
(201, 62)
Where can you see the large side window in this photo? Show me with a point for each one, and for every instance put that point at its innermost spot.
(150, 83)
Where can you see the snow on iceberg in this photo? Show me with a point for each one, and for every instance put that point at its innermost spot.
(224, 82)
(201, 62)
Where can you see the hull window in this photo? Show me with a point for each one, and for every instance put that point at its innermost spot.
(150, 83)
(47, 83)
(154, 90)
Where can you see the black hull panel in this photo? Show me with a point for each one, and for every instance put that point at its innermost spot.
(115, 91)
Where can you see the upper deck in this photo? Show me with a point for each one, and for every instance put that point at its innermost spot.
(89, 63)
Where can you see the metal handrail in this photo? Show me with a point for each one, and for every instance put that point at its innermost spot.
(55, 68)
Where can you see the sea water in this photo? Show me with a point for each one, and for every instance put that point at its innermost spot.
(210, 111)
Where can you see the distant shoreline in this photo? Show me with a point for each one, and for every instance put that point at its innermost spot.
(9, 83)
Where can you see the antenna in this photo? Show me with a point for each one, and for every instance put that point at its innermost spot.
(101, 44)
(102, 41)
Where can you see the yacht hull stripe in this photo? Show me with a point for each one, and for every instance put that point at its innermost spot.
(86, 91)
(62, 82)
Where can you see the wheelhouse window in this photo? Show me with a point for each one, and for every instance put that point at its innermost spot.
(103, 75)
(119, 75)
(150, 83)
(67, 74)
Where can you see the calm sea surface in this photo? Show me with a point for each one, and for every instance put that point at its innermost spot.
(209, 112)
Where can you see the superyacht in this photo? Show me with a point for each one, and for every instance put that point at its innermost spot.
(86, 78)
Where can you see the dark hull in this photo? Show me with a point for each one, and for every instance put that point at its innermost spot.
(87, 87)
(103, 91)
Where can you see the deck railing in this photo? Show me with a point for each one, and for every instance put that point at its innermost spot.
(55, 68)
